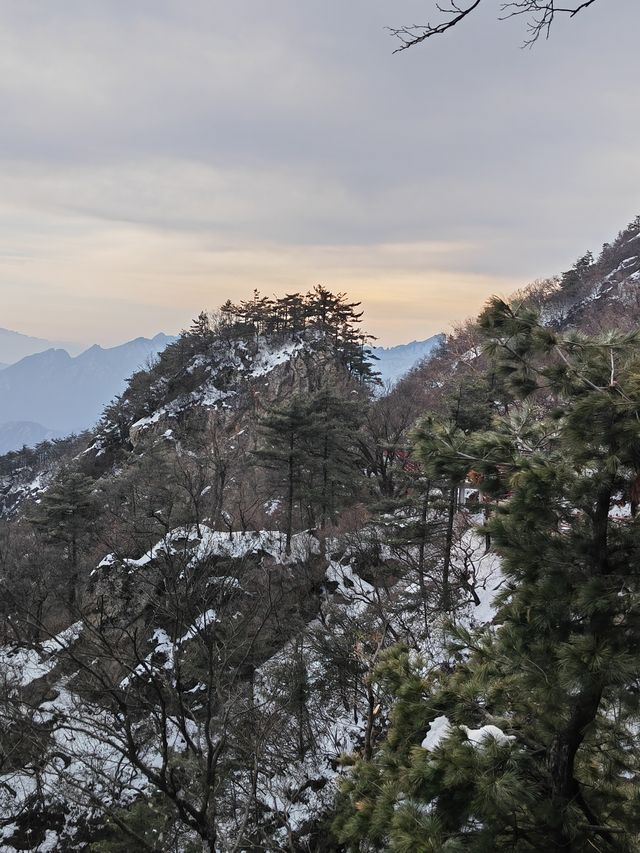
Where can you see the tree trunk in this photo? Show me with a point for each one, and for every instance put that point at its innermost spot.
(325, 484)
(561, 760)
(421, 551)
(446, 592)
(601, 530)
(74, 571)
(562, 754)
(290, 495)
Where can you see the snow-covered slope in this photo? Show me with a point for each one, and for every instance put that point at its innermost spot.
(395, 362)
(65, 394)
(311, 613)
(86, 752)
(599, 294)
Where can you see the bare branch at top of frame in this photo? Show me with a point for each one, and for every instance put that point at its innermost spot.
(541, 15)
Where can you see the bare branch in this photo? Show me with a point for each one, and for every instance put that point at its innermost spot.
(540, 13)
(416, 33)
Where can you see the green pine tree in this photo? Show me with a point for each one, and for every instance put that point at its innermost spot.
(308, 445)
(331, 445)
(540, 713)
(66, 516)
(287, 432)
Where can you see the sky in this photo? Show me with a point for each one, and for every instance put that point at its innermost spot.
(160, 156)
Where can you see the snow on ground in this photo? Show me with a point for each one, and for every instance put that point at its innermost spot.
(85, 763)
(295, 789)
(221, 543)
(22, 666)
(272, 506)
(50, 842)
(164, 646)
(6, 832)
(64, 639)
(339, 730)
(20, 486)
(267, 359)
(272, 542)
(358, 593)
(208, 396)
(487, 575)
(204, 621)
(298, 790)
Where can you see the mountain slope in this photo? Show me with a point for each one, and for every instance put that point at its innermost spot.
(48, 393)
(183, 438)
(595, 295)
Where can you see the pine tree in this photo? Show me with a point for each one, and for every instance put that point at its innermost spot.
(258, 313)
(339, 321)
(201, 327)
(228, 317)
(446, 472)
(416, 524)
(309, 448)
(573, 278)
(538, 718)
(66, 515)
(288, 432)
(332, 447)
(294, 312)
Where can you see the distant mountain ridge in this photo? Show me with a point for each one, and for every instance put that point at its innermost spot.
(15, 346)
(51, 393)
(392, 363)
(17, 434)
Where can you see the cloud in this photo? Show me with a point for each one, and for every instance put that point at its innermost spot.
(154, 154)
(114, 281)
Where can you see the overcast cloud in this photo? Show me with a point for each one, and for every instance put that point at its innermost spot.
(159, 156)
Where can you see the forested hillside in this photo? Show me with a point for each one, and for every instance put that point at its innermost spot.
(264, 607)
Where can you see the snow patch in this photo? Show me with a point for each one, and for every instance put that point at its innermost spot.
(438, 730)
(23, 666)
(266, 360)
(478, 736)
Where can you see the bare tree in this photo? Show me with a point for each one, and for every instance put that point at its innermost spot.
(540, 15)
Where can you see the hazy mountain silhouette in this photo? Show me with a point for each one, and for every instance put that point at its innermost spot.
(395, 362)
(53, 392)
(15, 346)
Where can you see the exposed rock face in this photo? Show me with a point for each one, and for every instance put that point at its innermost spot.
(267, 379)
